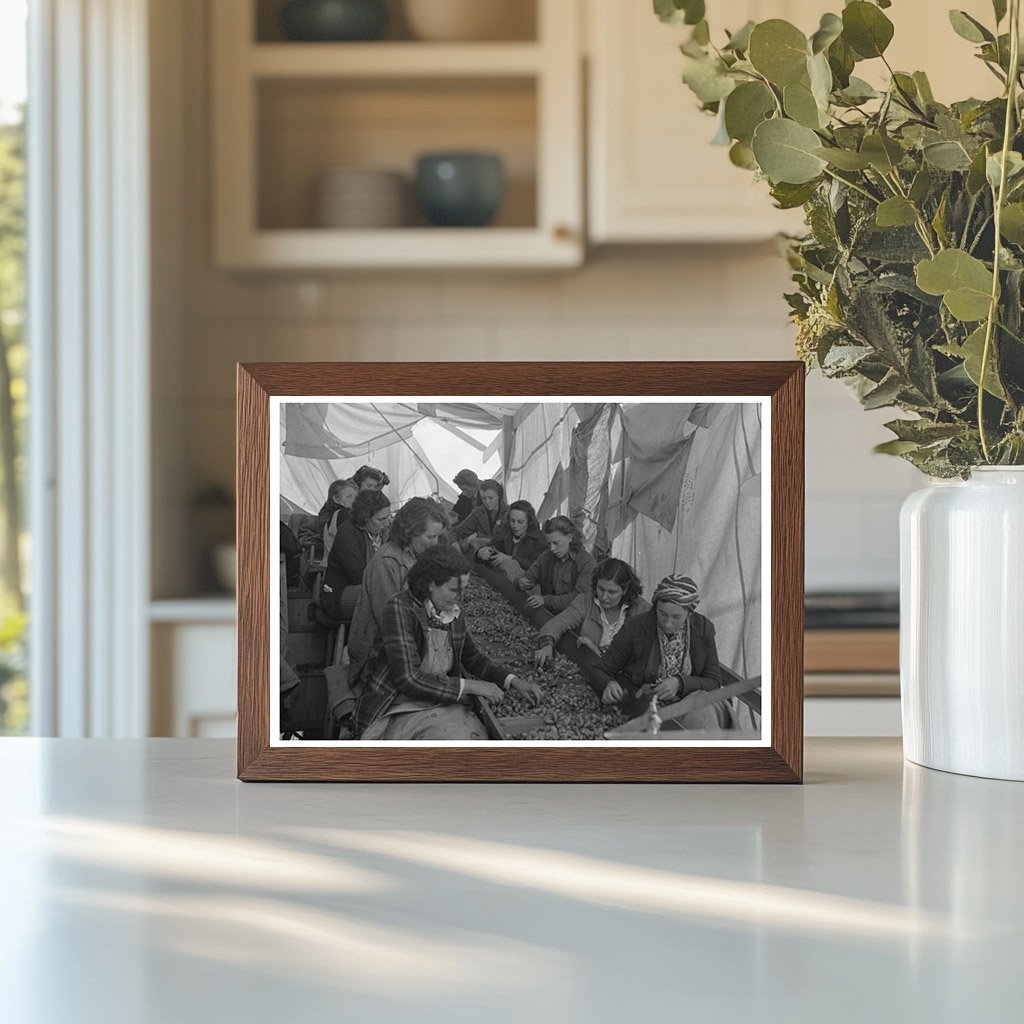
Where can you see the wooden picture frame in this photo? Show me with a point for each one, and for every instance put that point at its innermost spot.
(779, 758)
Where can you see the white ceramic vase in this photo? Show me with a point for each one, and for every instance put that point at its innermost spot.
(962, 624)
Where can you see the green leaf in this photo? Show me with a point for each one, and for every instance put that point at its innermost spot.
(800, 105)
(866, 29)
(946, 156)
(820, 76)
(976, 174)
(895, 447)
(921, 186)
(971, 352)
(963, 281)
(789, 197)
(999, 7)
(994, 167)
(883, 153)
(830, 28)
(939, 220)
(841, 60)
(707, 80)
(676, 12)
(923, 431)
(844, 159)
(778, 50)
(968, 28)
(785, 152)
(745, 108)
(896, 212)
(742, 155)
(924, 88)
(1011, 226)
(885, 394)
(701, 33)
(739, 41)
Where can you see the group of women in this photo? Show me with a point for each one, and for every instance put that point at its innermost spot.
(417, 673)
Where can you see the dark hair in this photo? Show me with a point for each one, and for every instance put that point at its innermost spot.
(367, 505)
(615, 570)
(531, 516)
(563, 524)
(435, 566)
(413, 518)
(493, 485)
(466, 478)
(365, 472)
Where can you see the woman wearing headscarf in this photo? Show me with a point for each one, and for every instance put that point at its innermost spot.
(427, 666)
(668, 652)
(517, 542)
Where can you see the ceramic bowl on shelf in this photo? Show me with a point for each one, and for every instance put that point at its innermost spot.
(361, 198)
(471, 20)
(460, 189)
(334, 20)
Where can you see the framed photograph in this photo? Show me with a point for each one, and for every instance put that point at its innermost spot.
(520, 572)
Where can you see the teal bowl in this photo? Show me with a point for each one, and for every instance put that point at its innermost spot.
(460, 190)
(333, 21)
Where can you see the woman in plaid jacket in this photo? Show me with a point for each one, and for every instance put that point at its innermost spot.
(422, 679)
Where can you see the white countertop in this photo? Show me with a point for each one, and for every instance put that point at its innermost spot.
(144, 885)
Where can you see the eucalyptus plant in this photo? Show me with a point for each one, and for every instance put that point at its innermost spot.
(909, 280)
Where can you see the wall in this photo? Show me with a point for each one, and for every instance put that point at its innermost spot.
(652, 303)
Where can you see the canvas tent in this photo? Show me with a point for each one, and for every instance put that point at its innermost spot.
(667, 487)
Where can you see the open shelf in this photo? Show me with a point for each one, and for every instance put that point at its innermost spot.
(520, 17)
(287, 113)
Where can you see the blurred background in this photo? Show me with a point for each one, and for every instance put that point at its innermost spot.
(254, 180)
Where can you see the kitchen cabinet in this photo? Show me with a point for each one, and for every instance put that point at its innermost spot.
(286, 113)
(653, 175)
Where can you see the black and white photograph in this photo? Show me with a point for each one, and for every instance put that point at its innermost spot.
(554, 572)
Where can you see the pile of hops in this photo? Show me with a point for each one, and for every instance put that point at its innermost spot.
(570, 708)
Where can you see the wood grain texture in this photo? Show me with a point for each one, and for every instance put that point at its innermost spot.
(782, 762)
(852, 650)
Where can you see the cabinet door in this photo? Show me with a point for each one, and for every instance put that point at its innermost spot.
(654, 175)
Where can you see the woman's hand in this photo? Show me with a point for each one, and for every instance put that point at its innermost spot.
(480, 688)
(528, 689)
(612, 693)
(485, 554)
(535, 601)
(667, 688)
(587, 642)
(543, 655)
(524, 583)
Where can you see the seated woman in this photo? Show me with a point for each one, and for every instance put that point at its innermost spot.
(595, 618)
(477, 529)
(667, 652)
(358, 540)
(369, 478)
(468, 484)
(417, 525)
(517, 542)
(333, 513)
(561, 573)
(427, 665)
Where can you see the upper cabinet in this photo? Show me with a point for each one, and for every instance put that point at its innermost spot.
(317, 144)
(653, 174)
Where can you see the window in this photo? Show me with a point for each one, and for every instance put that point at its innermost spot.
(14, 706)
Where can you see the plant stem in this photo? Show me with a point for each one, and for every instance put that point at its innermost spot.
(993, 309)
(855, 187)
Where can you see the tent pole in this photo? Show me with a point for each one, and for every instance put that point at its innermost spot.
(428, 469)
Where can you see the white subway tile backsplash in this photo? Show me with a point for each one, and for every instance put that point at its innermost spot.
(714, 303)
